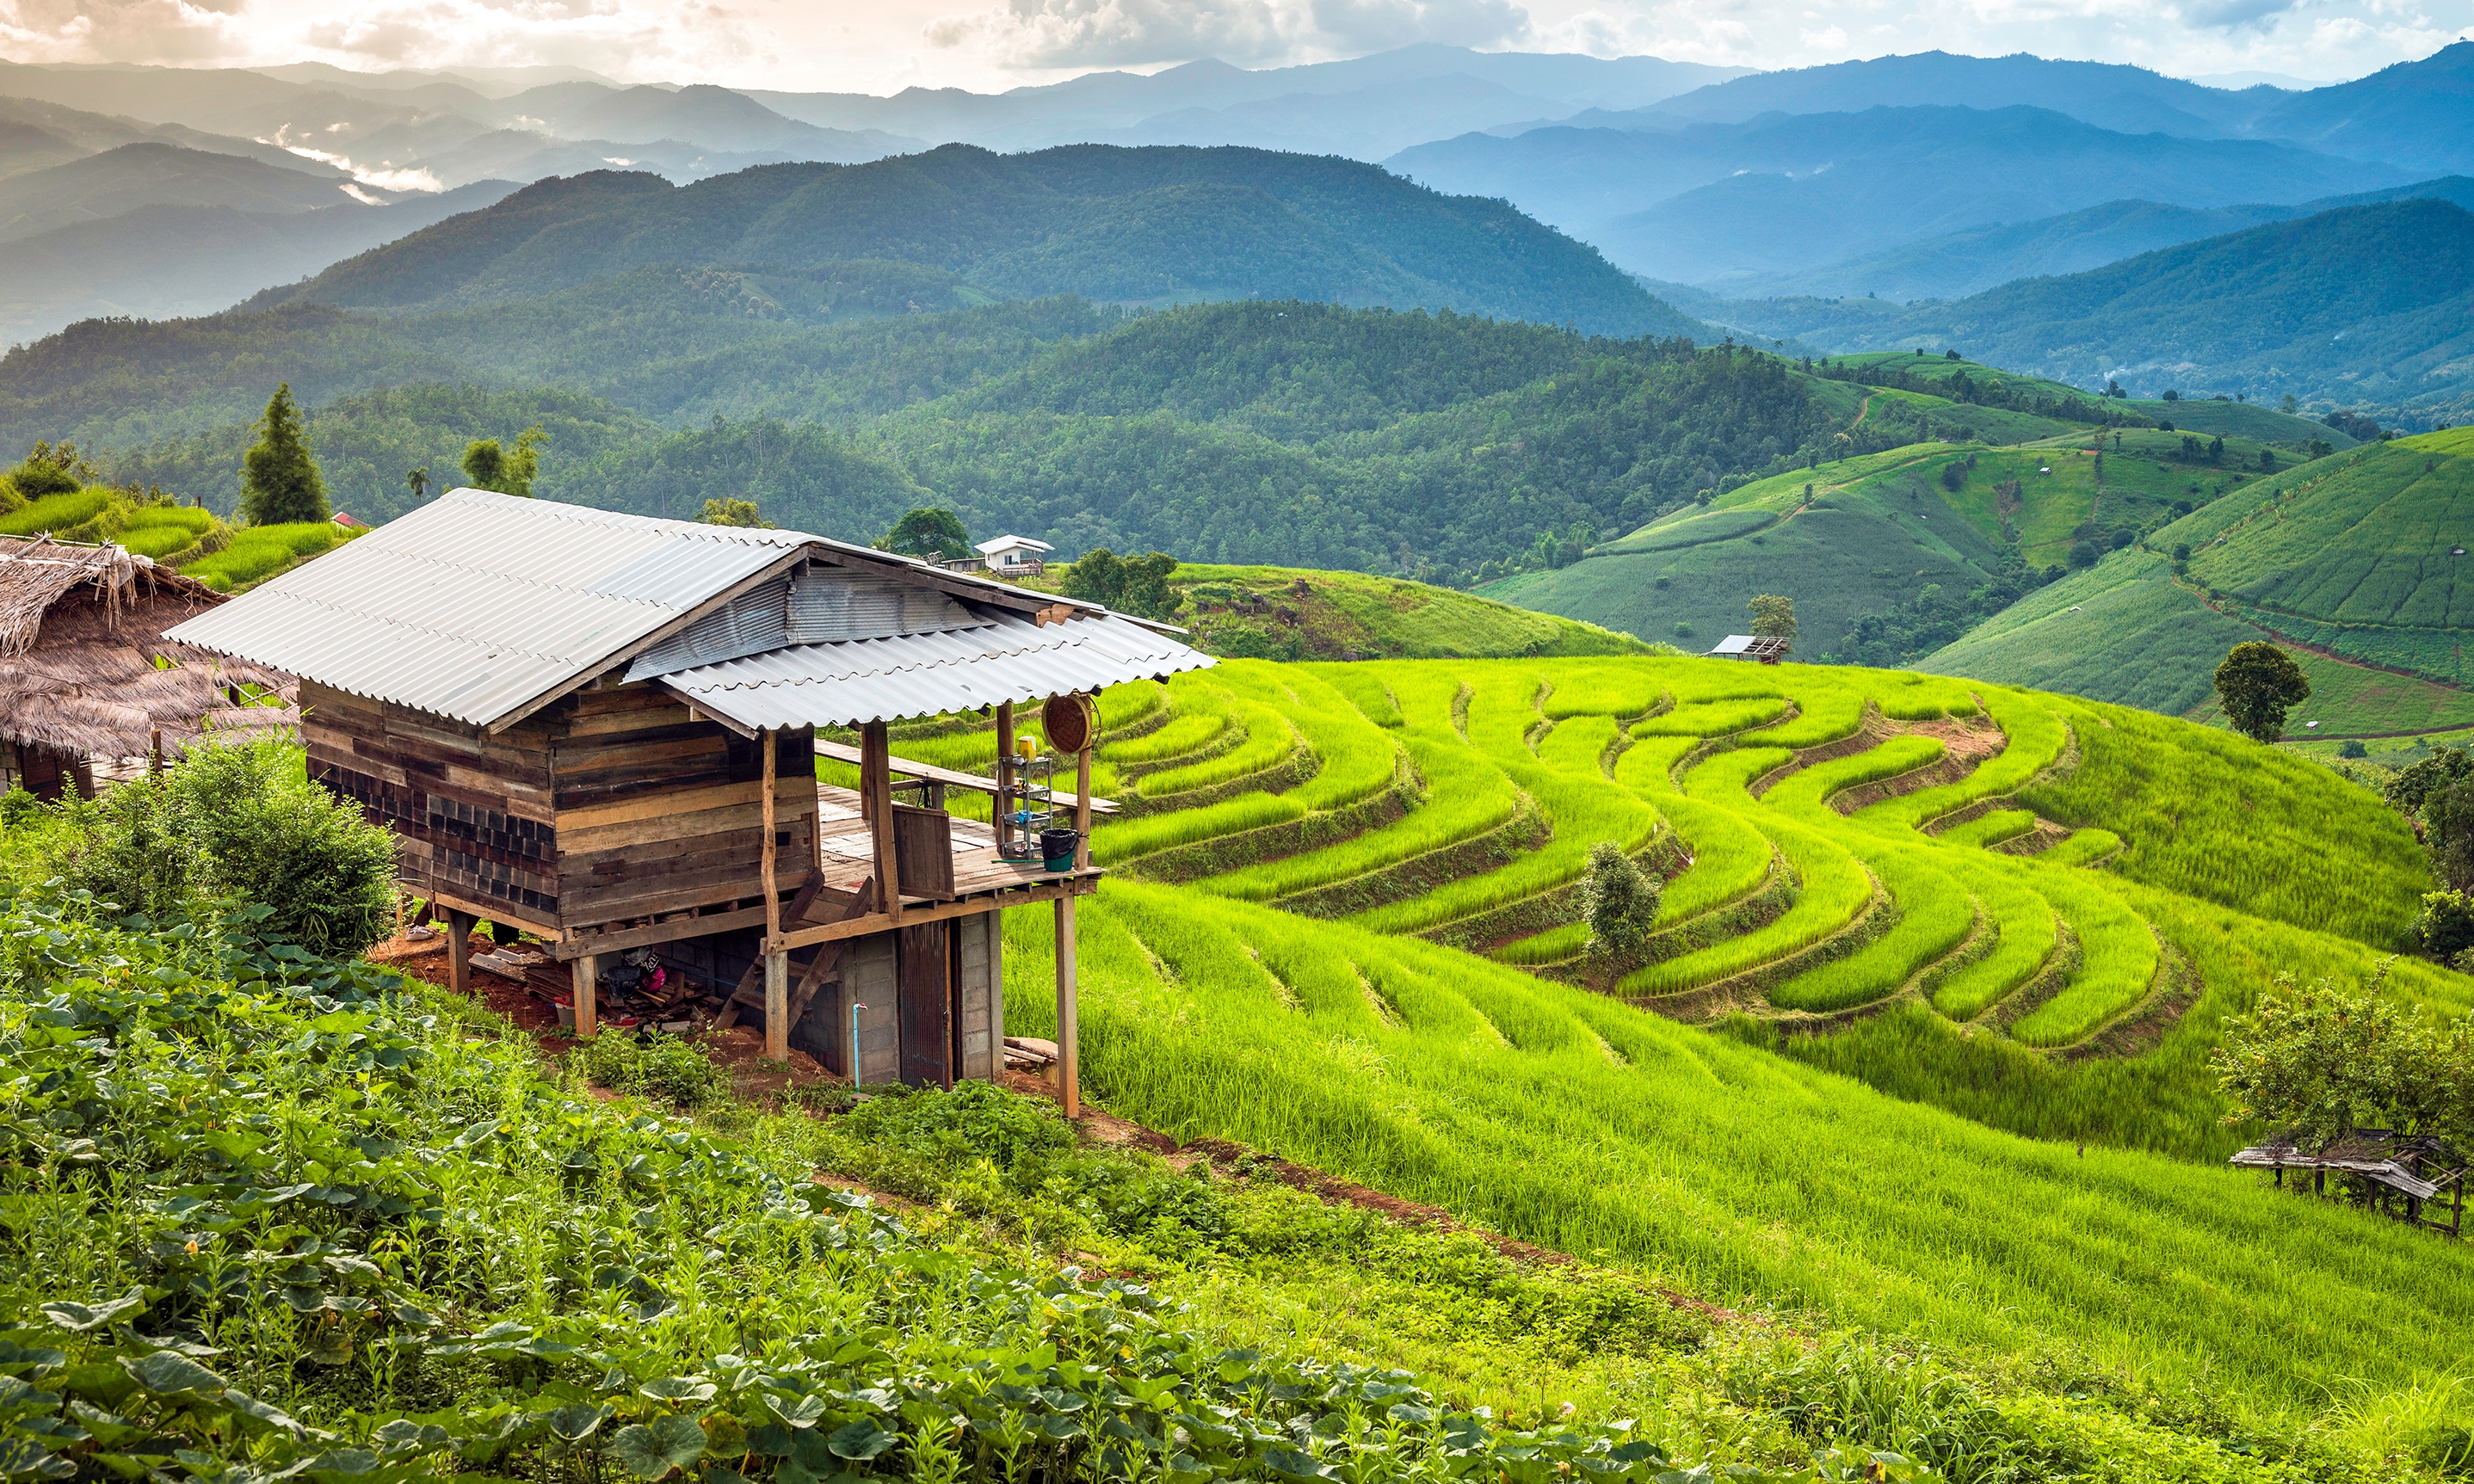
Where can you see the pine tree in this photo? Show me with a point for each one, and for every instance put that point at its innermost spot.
(279, 483)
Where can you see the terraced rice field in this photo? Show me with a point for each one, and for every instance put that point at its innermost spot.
(1787, 809)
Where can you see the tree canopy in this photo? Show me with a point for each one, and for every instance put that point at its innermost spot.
(934, 533)
(1129, 585)
(733, 513)
(2323, 1059)
(1773, 617)
(2257, 684)
(507, 471)
(279, 483)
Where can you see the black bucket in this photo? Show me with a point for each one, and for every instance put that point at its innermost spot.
(1057, 847)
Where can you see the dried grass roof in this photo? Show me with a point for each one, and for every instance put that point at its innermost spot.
(80, 635)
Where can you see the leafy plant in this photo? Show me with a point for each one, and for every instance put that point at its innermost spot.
(280, 481)
(240, 820)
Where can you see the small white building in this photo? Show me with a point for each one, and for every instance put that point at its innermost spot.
(1007, 556)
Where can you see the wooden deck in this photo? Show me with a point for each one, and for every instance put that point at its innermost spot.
(847, 853)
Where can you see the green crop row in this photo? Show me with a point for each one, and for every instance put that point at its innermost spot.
(2026, 928)
(1713, 718)
(1805, 792)
(1565, 778)
(2117, 962)
(1989, 828)
(1183, 735)
(1936, 913)
(1833, 889)
(256, 551)
(1464, 798)
(1269, 740)
(1729, 857)
(1648, 766)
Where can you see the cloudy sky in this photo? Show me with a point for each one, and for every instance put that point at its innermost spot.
(987, 45)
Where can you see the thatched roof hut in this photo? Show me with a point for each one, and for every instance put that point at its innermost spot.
(86, 678)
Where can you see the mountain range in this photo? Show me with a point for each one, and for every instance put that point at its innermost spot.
(1142, 225)
(2372, 303)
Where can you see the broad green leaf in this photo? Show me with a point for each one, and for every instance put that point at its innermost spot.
(860, 1441)
(78, 1316)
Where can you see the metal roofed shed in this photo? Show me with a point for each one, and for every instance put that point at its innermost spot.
(601, 727)
(1759, 648)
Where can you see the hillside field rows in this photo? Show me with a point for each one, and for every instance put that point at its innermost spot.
(2021, 917)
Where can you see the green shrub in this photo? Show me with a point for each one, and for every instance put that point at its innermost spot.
(260, 552)
(17, 806)
(240, 822)
(2446, 926)
(669, 1068)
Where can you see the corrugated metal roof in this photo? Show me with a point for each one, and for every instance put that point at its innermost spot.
(478, 603)
(923, 673)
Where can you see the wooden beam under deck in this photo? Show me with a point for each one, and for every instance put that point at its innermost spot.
(927, 911)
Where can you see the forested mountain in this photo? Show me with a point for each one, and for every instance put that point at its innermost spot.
(1149, 226)
(2364, 304)
(1781, 192)
(1287, 432)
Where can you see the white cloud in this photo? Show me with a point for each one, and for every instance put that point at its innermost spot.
(1052, 34)
(651, 39)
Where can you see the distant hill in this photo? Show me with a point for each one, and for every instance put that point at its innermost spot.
(122, 179)
(1364, 108)
(2349, 562)
(2126, 100)
(1775, 193)
(1882, 550)
(2416, 113)
(1983, 257)
(2364, 305)
(713, 117)
(1153, 226)
(162, 261)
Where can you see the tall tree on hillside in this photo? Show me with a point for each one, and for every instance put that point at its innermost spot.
(2257, 684)
(1774, 618)
(417, 482)
(1129, 585)
(279, 483)
(934, 533)
(506, 470)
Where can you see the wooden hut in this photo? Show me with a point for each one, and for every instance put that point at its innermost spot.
(89, 689)
(2397, 1173)
(603, 728)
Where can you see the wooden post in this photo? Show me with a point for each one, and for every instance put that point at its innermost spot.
(1005, 768)
(872, 744)
(155, 762)
(777, 1007)
(773, 897)
(459, 950)
(588, 1013)
(1083, 790)
(1068, 1079)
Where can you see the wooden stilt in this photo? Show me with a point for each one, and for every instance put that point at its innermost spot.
(777, 1007)
(588, 1012)
(1069, 1083)
(1083, 791)
(1005, 773)
(459, 950)
(766, 859)
(872, 744)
